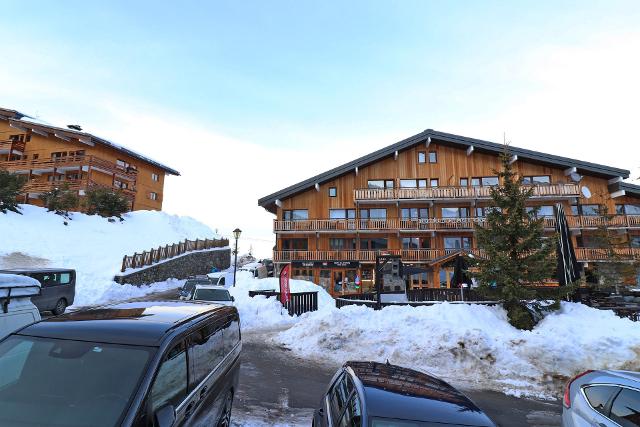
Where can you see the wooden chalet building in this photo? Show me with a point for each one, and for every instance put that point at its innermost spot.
(419, 198)
(50, 156)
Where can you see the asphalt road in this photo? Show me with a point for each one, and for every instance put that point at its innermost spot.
(278, 388)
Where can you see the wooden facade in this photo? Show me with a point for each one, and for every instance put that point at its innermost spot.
(49, 156)
(422, 201)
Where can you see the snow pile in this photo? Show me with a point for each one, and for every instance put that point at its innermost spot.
(261, 312)
(473, 345)
(93, 246)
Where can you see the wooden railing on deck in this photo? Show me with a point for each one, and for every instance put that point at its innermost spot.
(11, 146)
(35, 187)
(169, 251)
(68, 163)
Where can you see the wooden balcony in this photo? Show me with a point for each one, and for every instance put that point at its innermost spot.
(69, 163)
(12, 147)
(426, 255)
(456, 193)
(34, 188)
(435, 224)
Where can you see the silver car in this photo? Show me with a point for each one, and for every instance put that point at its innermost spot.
(602, 399)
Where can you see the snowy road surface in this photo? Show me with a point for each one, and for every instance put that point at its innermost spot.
(278, 388)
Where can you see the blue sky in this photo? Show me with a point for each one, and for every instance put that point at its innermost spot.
(306, 80)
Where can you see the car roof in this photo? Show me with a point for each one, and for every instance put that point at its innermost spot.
(143, 323)
(211, 287)
(35, 270)
(626, 375)
(392, 391)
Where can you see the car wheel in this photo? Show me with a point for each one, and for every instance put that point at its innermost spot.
(225, 417)
(60, 307)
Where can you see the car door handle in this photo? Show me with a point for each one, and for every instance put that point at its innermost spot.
(188, 410)
(203, 392)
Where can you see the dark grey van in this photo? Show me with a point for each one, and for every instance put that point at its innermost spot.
(58, 287)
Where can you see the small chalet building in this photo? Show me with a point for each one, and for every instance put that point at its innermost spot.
(419, 198)
(49, 156)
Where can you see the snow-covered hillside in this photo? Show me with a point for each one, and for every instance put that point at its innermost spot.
(90, 244)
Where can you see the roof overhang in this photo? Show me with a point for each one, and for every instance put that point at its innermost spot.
(427, 137)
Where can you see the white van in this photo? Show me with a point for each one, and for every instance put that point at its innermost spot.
(221, 278)
(16, 308)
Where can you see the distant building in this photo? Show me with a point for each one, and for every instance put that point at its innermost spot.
(49, 156)
(420, 198)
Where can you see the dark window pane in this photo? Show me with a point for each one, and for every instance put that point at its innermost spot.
(574, 210)
(422, 157)
(170, 385)
(464, 182)
(626, 408)
(634, 241)
(352, 415)
(433, 157)
(338, 397)
(206, 350)
(620, 209)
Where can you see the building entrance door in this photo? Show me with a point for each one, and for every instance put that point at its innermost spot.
(338, 275)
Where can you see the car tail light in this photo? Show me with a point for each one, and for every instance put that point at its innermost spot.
(567, 390)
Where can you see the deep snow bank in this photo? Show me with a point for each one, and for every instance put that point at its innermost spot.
(261, 312)
(93, 246)
(473, 345)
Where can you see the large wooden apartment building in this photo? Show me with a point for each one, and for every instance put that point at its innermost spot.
(420, 198)
(49, 156)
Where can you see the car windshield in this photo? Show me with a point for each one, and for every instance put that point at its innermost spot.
(53, 382)
(212, 295)
(190, 284)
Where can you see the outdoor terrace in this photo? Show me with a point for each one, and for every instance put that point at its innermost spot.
(69, 163)
(426, 255)
(456, 193)
(434, 224)
(12, 147)
(33, 188)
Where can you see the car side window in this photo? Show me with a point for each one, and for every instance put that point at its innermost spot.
(339, 395)
(352, 415)
(231, 333)
(170, 385)
(625, 409)
(206, 348)
(598, 396)
(221, 281)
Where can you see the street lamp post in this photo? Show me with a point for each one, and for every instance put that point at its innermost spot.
(236, 234)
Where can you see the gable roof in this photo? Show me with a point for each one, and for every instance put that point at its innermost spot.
(25, 122)
(268, 202)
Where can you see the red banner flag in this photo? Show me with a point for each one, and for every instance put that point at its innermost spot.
(285, 293)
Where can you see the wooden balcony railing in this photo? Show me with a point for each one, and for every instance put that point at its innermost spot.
(392, 224)
(37, 187)
(452, 193)
(583, 254)
(11, 146)
(68, 163)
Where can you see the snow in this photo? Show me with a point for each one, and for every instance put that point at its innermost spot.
(472, 345)
(19, 285)
(93, 246)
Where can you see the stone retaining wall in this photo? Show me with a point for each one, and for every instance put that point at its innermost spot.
(181, 267)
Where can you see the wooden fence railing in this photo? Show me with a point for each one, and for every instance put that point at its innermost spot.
(161, 253)
(300, 302)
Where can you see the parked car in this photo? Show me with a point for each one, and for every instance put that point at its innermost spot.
(186, 291)
(212, 293)
(16, 308)
(258, 270)
(602, 399)
(221, 278)
(134, 364)
(58, 287)
(268, 263)
(375, 394)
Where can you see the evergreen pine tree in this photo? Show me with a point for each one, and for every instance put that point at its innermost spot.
(60, 199)
(10, 187)
(516, 253)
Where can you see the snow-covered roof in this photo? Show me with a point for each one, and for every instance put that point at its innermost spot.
(20, 285)
(21, 120)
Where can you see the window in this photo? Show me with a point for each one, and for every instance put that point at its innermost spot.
(373, 244)
(416, 243)
(122, 164)
(120, 184)
(78, 153)
(634, 241)
(422, 157)
(490, 181)
(35, 156)
(231, 334)
(541, 179)
(333, 191)
(342, 244)
(433, 182)
(53, 178)
(414, 213)
(457, 242)
(296, 244)
(339, 395)
(342, 213)
(153, 195)
(58, 154)
(413, 183)
(625, 409)
(379, 213)
(352, 415)
(433, 157)
(52, 279)
(155, 177)
(598, 396)
(295, 215)
(170, 385)
(380, 183)
(464, 182)
(483, 212)
(206, 349)
(543, 211)
(461, 212)
(589, 210)
(628, 209)
(475, 182)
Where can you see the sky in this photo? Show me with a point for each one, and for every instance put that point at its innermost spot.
(247, 97)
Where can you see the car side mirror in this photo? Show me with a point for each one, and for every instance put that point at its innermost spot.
(165, 416)
(232, 299)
